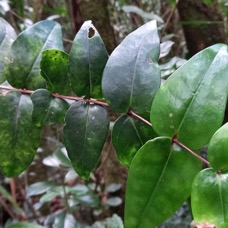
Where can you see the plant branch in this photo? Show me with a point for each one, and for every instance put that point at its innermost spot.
(175, 140)
(28, 202)
(13, 189)
(170, 17)
(131, 113)
(25, 91)
(91, 100)
(7, 209)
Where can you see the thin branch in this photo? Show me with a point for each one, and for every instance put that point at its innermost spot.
(170, 17)
(7, 209)
(91, 100)
(130, 112)
(28, 202)
(13, 189)
(175, 140)
(25, 91)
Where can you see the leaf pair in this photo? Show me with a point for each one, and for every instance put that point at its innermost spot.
(190, 106)
(81, 70)
(22, 70)
(130, 81)
(210, 187)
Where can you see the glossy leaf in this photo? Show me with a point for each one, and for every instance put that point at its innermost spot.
(128, 135)
(191, 103)
(218, 149)
(159, 181)
(54, 69)
(21, 138)
(47, 109)
(210, 198)
(87, 60)
(23, 60)
(85, 132)
(7, 36)
(132, 75)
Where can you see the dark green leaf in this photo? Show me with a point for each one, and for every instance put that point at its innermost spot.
(217, 149)
(87, 60)
(191, 103)
(7, 36)
(210, 198)
(54, 69)
(128, 135)
(23, 61)
(85, 133)
(47, 109)
(21, 138)
(39, 188)
(132, 75)
(159, 181)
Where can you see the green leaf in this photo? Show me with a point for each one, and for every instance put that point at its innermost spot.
(47, 110)
(87, 60)
(85, 133)
(7, 36)
(114, 201)
(191, 103)
(159, 181)
(39, 188)
(9, 197)
(132, 75)
(54, 69)
(65, 220)
(21, 138)
(24, 225)
(111, 188)
(23, 60)
(128, 135)
(218, 148)
(210, 198)
(48, 196)
(58, 158)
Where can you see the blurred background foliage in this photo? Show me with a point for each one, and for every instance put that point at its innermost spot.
(50, 193)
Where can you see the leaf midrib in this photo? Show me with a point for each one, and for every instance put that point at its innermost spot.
(84, 143)
(221, 197)
(134, 76)
(155, 189)
(195, 94)
(15, 127)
